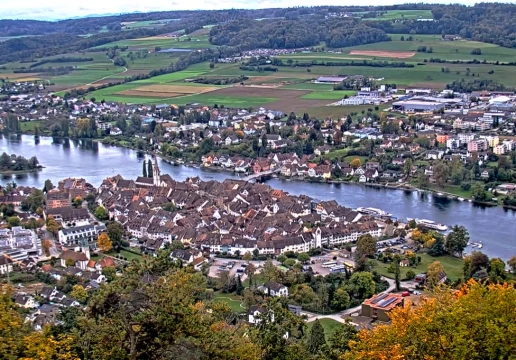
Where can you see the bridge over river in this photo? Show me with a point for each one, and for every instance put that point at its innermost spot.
(259, 175)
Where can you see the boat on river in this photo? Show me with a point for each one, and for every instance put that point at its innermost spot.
(431, 224)
(373, 211)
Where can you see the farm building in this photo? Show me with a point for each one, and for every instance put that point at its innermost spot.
(417, 106)
(331, 79)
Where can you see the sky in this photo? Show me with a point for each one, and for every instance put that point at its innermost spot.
(64, 9)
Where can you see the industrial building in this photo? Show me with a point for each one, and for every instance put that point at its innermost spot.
(417, 106)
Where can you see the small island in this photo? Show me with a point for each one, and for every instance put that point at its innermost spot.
(13, 164)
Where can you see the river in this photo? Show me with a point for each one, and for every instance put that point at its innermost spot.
(494, 227)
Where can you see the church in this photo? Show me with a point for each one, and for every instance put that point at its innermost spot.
(157, 180)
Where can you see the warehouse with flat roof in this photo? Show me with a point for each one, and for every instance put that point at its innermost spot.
(417, 106)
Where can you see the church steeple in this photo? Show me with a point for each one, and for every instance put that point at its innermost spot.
(156, 174)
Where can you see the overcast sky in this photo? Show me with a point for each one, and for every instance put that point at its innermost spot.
(62, 9)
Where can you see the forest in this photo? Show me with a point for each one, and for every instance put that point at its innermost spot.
(158, 309)
(289, 34)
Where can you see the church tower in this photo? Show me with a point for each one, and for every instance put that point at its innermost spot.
(156, 174)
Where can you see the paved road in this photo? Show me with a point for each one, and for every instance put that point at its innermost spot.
(340, 315)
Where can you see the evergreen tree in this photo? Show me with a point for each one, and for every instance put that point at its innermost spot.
(144, 168)
(239, 286)
(316, 337)
(149, 169)
(397, 272)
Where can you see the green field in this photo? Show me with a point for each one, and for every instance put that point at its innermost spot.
(309, 86)
(452, 266)
(165, 42)
(228, 101)
(329, 326)
(28, 126)
(404, 14)
(233, 301)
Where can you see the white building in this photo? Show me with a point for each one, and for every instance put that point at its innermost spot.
(79, 234)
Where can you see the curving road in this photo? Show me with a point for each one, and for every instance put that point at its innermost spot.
(340, 315)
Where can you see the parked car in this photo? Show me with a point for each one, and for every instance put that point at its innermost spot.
(417, 292)
(244, 265)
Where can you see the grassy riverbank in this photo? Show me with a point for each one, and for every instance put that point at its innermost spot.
(452, 266)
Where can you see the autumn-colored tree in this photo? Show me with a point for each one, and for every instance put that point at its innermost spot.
(52, 226)
(19, 341)
(247, 256)
(512, 264)
(355, 163)
(473, 323)
(104, 243)
(136, 306)
(433, 274)
(270, 271)
(79, 293)
(46, 245)
(77, 202)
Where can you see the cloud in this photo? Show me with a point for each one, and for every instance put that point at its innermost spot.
(63, 9)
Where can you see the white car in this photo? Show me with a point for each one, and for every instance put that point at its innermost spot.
(416, 292)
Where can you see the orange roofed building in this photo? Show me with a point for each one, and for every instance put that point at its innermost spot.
(379, 306)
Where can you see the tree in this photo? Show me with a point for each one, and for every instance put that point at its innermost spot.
(316, 337)
(19, 341)
(109, 272)
(79, 293)
(433, 274)
(441, 172)
(457, 240)
(281, 258)
(77, 202)
(423, 179)
(410, 274)
(212, 65)
(512, 264)
(355, 163)
(144, 169)
(226, 282)
(247, 256)
(303, 294)
(115, 232)
(48, 186)
(340, 340)
(150, 173)
(52, 225)
(46, 245)
(407, 167)
(303, 257)
(478, 261)
(397, 272)
(366, 248)
(13, 221)
(104, 243)
(497, 270)
(249, 271)
(361, 285)
(239, 286)
(101, 213)
(341, 299)
(455, 317)
(270, 271)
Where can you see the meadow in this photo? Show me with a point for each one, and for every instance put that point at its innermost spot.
(404, 14)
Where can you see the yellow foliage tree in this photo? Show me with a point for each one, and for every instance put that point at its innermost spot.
(19, 341)
(476, 323)
(355, 163)
(104, 243)
(79, 293)
(46, 245)
(433, 273)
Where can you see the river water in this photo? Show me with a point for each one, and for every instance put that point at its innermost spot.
(494, 227)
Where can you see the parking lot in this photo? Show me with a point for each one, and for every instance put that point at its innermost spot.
(219, 265)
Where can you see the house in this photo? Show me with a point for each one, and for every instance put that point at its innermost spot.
(199, 262)
(57, 199)
(68, 214)
(273, 288)
(255, 312)
(231, 140)
(484, 174)
(78, 259)
(379, 306)
(404, 263)
(321, 150)
(368, 175)
(6, 265)
(185, 256)
(261, 166)
(25, 301)
(434, 154)
(80, 234)
(115, 131)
